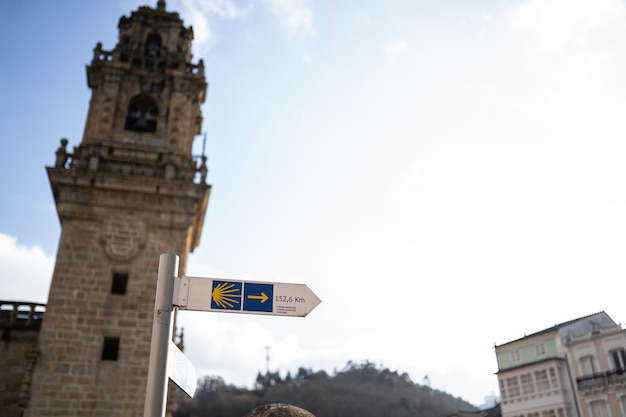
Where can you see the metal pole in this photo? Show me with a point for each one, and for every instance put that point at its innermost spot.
(162, 327)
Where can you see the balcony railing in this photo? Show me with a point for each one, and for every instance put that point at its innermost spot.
(616, 377)
(21, 315)
(601, 380)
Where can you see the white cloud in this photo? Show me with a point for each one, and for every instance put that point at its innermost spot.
(295, 16)
(26, 271)
(394, 49)
(201, 14)
(568, 60)
(550, 25)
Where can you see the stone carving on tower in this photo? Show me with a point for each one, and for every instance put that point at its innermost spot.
(130, 191)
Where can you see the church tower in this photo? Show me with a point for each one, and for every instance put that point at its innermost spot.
(130, 191)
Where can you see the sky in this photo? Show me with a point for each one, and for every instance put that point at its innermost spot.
(444, 176)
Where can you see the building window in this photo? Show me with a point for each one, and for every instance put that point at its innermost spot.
(153, 45)
(512, 386)
(622, 402)
(599, 409)
(541, 378)
(503, 392)
(110, 348)
(142, 115)
(120, 281)
(540, 349)
(554, 381)
(619, 359)
(528, 386)
(515, 356)
(587, 365)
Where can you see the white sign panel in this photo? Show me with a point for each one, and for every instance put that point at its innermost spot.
(180, 370)
(250, 297)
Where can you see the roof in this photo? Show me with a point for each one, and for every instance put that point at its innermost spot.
(575, 327)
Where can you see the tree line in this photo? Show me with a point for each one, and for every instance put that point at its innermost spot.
(358, 390)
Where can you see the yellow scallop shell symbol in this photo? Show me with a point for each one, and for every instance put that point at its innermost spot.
(226, 295)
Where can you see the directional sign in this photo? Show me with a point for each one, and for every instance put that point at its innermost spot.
(231, 296)
(181, 370)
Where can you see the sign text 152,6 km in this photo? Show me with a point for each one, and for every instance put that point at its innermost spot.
(250, 297)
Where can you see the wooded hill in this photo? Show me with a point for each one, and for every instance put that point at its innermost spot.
(359, 390)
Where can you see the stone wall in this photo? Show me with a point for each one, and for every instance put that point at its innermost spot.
(19, 324)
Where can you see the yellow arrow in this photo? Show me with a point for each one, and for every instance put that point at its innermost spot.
(261, 297)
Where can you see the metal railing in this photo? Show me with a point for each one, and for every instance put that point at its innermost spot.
(601, 380)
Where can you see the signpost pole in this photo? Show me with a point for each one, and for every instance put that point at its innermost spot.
(162, 328)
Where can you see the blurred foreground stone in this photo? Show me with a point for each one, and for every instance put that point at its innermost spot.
(279, 410)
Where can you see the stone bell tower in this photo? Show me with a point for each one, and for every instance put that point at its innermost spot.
(130, 191)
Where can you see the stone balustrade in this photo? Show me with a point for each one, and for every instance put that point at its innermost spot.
(21, 315)
(195, 170)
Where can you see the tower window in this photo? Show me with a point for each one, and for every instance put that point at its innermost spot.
(120, 281)
(153, 45)
(142, 115)
(110, 348)
(124, 48)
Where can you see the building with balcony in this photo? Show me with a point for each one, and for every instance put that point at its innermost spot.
(573, 369)
(534, 377)
(598, 361)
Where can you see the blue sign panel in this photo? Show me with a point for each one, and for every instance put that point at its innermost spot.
(226, 295)
(258, 297)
